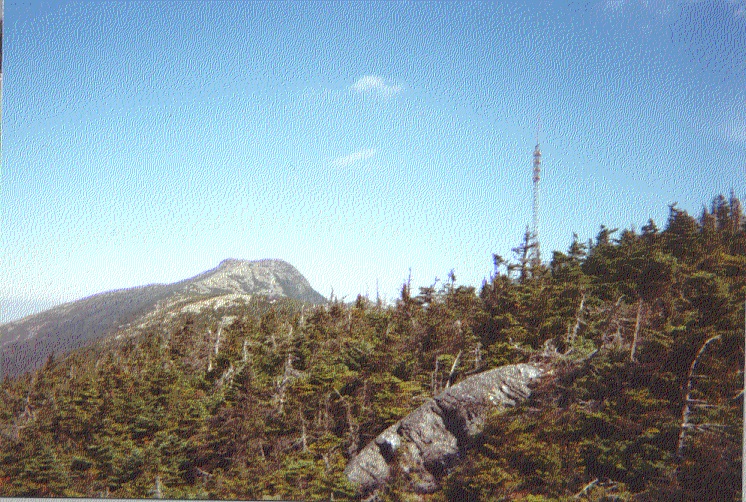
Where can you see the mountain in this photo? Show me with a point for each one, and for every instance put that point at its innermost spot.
(613, 372)
(25, 344)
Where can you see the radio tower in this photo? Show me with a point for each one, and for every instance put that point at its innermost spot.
(537, 172)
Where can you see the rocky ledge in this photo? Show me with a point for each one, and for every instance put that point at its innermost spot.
(431, 440)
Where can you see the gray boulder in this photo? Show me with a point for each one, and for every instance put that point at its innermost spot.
(432, 439)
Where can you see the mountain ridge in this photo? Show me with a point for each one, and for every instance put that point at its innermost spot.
(27, 342)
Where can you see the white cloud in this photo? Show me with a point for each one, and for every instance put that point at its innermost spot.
(353, 158)
(373, 84)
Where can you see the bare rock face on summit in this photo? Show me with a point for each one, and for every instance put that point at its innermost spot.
(264, 277)
(26, 343)
(433, 438)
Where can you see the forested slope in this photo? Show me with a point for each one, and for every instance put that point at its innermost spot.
(643, 332)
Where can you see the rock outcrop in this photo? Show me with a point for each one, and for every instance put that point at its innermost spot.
(260, 277)
(432, 439)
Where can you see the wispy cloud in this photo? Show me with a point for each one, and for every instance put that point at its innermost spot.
(660, 8)
(735, 130)
(614, 4)
(373, 84)
(354, 157)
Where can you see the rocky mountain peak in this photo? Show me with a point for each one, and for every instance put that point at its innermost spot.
(24, 344)
(266, 277)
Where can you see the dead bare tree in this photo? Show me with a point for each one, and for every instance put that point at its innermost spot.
(686, 423)
(281, 384)
(304, 434)
(453, 370)
(158, 488)
(216, 347)
(635, 337)
(477, 356)
(582, 493)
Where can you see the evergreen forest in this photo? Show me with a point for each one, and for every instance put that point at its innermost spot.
(641, 332)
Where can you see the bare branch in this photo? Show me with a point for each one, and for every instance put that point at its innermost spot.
(686, 412)
(585, 489)
(637, 331)
(453, 370)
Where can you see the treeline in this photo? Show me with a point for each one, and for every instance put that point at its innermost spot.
(644, 333)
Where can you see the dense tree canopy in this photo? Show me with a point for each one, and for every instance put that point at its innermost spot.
(644, 332)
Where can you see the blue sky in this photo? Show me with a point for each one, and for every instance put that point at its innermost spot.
(144, 142)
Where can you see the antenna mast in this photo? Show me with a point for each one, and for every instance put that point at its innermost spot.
(536, 175)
